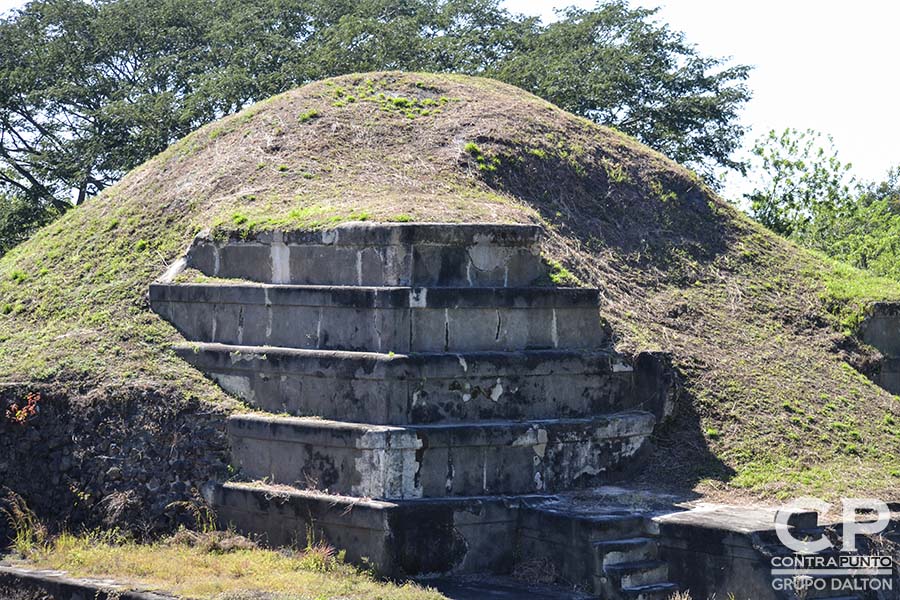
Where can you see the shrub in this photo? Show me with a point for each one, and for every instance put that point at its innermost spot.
(30, 535)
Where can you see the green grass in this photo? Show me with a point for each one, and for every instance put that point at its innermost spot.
(783, 413)
(207, 571)
(849, 292)
(308, 115)
(370, 91)
(403, 218)
(561, 276)
(484, 161)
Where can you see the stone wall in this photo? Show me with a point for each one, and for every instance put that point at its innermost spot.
(881, 330)
(115, 459)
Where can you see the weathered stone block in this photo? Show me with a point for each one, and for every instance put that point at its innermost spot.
(383, 319)
(566, 538)
(467, 459)
(419, 388)
(881, 328)
(431, 254)
(396, 538)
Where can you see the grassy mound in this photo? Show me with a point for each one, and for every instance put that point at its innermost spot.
(758, 328)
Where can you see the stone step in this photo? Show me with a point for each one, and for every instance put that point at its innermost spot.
(413, 254)
(484, 586)
(654, 591)
(396, 538)
(607, 552)
(567, 537)
(458, 459)
(423, 536)
(555, 525)
(632, 575)
(382, 319)
(402, 389)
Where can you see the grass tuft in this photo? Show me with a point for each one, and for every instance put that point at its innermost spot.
(849, 292)
(561, 276)
(29, 534)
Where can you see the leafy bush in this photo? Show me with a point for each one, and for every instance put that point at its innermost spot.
(19, 218)
(806, 193)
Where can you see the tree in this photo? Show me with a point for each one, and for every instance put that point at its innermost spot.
(805, 192)
(89, 89)
(867, 234)
(19, 218)
(92, 90)
(801, 185)
(616, 66)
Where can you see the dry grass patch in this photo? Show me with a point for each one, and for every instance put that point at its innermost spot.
(221, 565)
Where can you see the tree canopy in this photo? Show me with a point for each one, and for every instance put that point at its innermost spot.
(91, 89)
(618, 67)
(800, 180)
(807, 193)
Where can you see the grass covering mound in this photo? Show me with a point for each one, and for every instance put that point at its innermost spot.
(759, 329)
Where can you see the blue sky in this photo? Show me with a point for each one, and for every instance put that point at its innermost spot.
(823, 65)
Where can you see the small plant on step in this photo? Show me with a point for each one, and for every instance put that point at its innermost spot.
(22, 412)
(320, 556)
(213, 542)
(204, 515)
(29, 534)
(206, 536)
(536, 570)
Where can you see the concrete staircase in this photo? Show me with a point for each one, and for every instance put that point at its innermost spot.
(610, 551)
(425, 392)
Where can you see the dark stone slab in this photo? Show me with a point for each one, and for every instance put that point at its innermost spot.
(606, 549)
(881, 329)
(384, 319)
(421, 388)
(376, 296)
(20, 583)
(418, 254)
(396, 538)
(889, 375)
(493, 587)
(467, 459)
(721, 550)
(387, 234)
